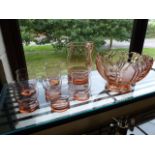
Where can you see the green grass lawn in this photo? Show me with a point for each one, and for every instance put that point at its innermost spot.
(149, 51)
(38, 56)
(40, 48)
(36, 62)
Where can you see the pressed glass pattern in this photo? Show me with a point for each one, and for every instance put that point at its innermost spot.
(121, 70)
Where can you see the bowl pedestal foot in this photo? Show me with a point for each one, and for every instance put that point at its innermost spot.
(122, 89)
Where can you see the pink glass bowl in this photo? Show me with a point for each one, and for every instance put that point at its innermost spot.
(121, 70)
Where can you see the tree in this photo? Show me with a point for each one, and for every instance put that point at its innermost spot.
(118, 29)
(26, 31)
(60, 32)
(150, 33)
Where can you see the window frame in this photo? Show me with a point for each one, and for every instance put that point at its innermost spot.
(13, 44)
(138, 35)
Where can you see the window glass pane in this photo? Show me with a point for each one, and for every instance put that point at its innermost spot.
(149, 43)
(45, 40)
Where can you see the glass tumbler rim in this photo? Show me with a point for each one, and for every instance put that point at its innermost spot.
(46, 85)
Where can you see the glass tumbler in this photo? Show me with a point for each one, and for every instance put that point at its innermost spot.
(52, 92)
(80, 77)
(52, 81)
(81, 92)
(58, 101)
(53, 74)
(26, 96)
(80, 85)
(61, 104)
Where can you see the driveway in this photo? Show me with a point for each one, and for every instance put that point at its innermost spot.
(148, 43)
